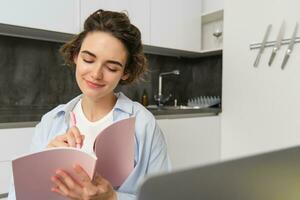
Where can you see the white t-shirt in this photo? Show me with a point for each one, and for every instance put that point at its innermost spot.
(89, 129)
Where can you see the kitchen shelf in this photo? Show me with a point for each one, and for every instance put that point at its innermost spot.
(211, 23)
(180, 53)
(211, 52)
(212, 16)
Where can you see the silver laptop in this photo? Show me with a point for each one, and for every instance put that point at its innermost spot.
(269, 176)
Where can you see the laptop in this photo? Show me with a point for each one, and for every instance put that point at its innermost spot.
(269, 176)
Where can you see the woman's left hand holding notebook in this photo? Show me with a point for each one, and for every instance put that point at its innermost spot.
(98, 188)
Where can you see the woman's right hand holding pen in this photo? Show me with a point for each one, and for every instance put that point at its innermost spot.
(73, 138)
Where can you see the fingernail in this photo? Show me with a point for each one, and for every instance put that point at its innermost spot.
(78, 146)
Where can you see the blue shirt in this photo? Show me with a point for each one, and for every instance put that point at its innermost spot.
(150, 147)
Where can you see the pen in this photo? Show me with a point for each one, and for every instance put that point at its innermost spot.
(73, 123)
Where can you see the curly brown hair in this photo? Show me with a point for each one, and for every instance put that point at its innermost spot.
(118, 25)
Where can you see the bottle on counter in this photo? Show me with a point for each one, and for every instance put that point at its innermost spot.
(144, 99)
(175, 102)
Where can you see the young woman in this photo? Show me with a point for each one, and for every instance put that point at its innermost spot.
(108, 52)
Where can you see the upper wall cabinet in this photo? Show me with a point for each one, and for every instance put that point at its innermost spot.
(169, 24)
(176, 24)
(209, 6)
(54, 15)
(138, 12)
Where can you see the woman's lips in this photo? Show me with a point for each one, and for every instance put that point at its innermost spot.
(94, 85)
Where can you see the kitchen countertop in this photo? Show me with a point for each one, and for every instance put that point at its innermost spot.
(158, 113)
(184, 113)
(4, 195)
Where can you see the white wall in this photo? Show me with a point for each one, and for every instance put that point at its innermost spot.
(261, 106)
(212, 5)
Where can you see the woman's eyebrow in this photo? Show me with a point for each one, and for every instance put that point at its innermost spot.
(89, 53)
(114, 62)
(108, 61)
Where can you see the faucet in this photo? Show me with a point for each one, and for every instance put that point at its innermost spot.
(160, 98)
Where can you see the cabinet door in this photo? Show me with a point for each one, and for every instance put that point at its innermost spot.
(54, 15)
(14, 142)
(137, 10)
(192, 141)
(176, 24)
(5, 176)
(209, 6)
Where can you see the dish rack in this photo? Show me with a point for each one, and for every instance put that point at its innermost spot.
(204, 101)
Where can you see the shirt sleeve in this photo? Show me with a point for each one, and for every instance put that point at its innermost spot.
(153, 158)
(125, 196)
(12, 194)
(159, 160)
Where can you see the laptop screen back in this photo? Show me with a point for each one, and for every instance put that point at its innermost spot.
(269, 176)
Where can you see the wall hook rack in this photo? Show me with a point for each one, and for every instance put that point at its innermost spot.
(272, 43)
(276, 45)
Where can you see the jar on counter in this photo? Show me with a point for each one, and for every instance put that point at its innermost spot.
(145, 100)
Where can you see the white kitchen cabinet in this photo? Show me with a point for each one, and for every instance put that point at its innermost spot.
(54, 15)
(192, 141)
(5, 176)
(209, 6)
(138, 12)
(168, 24)
(14, 142)
(176, 24)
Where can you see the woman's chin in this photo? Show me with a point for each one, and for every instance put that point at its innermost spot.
(95, 95)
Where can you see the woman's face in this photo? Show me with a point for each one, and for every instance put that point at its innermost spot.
(100, 64)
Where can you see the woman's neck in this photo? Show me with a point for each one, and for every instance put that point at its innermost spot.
(95, 110)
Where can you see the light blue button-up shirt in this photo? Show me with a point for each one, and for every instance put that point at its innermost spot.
(150, 147)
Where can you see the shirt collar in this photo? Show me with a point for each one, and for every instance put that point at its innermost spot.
(66, 108)
(123, 103)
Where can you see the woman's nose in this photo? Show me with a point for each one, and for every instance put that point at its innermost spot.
(97, 72)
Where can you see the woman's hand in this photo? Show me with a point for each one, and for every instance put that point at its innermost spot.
(98, 189)
(72, 138)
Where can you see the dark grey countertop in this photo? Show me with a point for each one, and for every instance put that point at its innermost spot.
(4, 195)
(158, 113)
(184, 113)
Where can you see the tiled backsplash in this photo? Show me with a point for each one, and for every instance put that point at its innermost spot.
(33, 78)
(198, 77)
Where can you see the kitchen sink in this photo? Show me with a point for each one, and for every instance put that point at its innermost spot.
(171, 110)
(154, 107)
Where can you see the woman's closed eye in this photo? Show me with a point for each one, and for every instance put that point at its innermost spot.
(88, 61)
(111, 68)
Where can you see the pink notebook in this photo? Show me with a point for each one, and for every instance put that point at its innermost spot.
(114, 160)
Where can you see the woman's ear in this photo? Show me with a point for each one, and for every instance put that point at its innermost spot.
(75, 59)
(125, 77)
